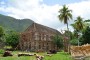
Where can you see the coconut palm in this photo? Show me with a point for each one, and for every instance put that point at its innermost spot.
(87, 22)
(78, 27)
(65, 15)
(79, 24)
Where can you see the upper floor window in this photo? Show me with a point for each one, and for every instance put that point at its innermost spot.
(36, 36)
(44, 37)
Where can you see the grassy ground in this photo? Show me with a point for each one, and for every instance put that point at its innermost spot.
(58, 56)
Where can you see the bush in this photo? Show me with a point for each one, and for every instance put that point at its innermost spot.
(12, 39)
(1, 51)
(74, 42)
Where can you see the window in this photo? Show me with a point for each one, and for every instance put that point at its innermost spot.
(36, 36)
(44, 37)
(39, 46)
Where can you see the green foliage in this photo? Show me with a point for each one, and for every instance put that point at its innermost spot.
(68, 34)
(2, 38)
(58, 41)
(86, 36)
(88, 20)
(78, 25)
(74, 41)
(65, 15)
(1, 31)
(1, 51)
(12, 39)
(75, 34)
(10, 23)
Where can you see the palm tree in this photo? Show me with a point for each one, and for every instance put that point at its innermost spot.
(78, 27)
(87, 22)
(79, 24)
(65, 15)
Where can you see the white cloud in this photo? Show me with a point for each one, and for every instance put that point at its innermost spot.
(35, 10)
(81, 9)
(44, 14)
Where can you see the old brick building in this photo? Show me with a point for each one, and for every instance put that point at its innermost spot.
(37, 37)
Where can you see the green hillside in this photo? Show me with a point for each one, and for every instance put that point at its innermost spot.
(10, 23)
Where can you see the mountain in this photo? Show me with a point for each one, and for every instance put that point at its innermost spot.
(10, 23)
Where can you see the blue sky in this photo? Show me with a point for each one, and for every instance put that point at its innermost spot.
(45, 12)
(48, 2)
(61, 2)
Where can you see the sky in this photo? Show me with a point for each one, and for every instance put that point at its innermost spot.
(45, 12)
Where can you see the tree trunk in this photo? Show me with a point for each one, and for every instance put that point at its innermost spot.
(68, 39)
(67, 27)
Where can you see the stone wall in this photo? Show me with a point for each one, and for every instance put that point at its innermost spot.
(37, 37)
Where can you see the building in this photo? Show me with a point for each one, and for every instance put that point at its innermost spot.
(37, 37)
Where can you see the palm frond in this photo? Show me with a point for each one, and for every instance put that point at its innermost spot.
(87, 20)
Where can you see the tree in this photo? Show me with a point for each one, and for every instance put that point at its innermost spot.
(86, 36)
(65, 15)
(58, 41)
(79, 25)
(1, 33)
(78, 28)
(88, 20)
(74, 41)
(87, 23)
(12, 39)
(2, 40)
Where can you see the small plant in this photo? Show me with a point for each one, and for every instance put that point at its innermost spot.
(1, 51)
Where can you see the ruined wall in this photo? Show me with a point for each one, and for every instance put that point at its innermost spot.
(35, 38)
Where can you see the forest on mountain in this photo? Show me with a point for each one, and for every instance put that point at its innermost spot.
(10, 23)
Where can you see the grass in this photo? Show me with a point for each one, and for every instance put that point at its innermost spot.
(17, 58)
(58, 56)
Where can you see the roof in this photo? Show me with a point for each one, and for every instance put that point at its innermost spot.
(42, 28)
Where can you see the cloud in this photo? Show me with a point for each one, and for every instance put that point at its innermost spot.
(81, 9)
(44, 14)
(35, 10)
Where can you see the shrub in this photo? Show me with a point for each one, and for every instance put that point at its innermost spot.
(1, 51)
(74, 42)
